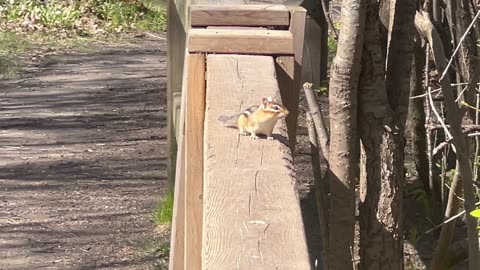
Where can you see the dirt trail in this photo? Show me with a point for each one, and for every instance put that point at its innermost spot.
(83, 159)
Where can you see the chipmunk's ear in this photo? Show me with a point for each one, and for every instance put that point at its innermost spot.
(265, 102)
(270, 99)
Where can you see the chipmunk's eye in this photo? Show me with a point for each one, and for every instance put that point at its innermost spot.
(276, 108)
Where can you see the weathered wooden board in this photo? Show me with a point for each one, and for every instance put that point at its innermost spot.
(254, 41)
(289, 70)
(251, 212)
(177, 236)
(194, 119)
(239, 15)
(176, 40)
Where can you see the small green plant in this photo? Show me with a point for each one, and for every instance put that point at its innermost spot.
(322, 90)
(332, 48)
(164, 210)
(476, 213)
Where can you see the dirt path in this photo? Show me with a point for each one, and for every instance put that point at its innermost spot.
(82, 165)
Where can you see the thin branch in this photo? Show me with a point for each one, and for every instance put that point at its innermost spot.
(328, 18)
(458, 45)
(446, 221)
(426, 94)
(440, 119)
(439, 148)
(465, 128)
(321, 189)
(316, 112)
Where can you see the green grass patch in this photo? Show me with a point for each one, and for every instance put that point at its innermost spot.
(163, 212)
(83, 17)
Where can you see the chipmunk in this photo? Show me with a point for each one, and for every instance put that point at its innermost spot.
(257, 119)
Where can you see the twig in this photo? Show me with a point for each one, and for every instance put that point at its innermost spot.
(328, 18)
(477, 140)
(317, 117)
(321, 189)
(440, 119)
(439, 148)
(426, 94)
(428, 120)
(458, 45)
(466, 128)
(461, 93)
(454, 194)
(446, 221)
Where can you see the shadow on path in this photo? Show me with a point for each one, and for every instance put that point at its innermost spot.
(82, 159)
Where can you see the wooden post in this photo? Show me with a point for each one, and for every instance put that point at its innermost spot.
(177, 238)
(195, 115)
(176, 40)
(289, 71)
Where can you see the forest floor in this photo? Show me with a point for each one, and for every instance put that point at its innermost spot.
(83, 158)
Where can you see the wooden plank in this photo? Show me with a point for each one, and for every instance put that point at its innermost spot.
(176, 41)
(256, 41)
(195, 114)
(313, 54)
(239, 15)
(289, 70)
(251, 209)
(177, 237)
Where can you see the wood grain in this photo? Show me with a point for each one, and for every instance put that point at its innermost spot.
(176, 41)
(254, 41)
(289, 71)
(251, 209)
(239, 15)
(177, 236)
(195, 114)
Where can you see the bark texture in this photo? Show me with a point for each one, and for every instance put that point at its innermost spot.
(383, 109)
(343, 95)
(417, 117)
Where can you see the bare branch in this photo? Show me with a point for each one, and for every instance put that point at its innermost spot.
(458, 45)
(316, 113)
(328, 18)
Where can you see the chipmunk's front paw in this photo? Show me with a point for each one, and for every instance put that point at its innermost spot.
(270, 138)
(242, 133)
(254, 137)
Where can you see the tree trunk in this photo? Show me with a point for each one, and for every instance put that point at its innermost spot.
(468, 54)
(343, 104)
(417, 118)
(383, 110)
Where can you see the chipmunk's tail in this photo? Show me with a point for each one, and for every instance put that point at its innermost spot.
(229, 121)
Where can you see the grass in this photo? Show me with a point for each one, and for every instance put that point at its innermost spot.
(83, 17)
(162, 214)
(30, 27)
